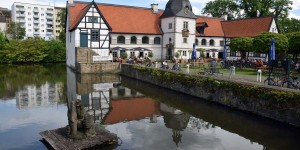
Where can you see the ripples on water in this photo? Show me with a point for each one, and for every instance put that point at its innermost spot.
(34, 99)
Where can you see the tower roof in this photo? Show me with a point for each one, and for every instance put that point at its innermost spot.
(179, 8)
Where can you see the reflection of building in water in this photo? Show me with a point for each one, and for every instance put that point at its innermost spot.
(45, 95)
(175, 120)
(134, 108)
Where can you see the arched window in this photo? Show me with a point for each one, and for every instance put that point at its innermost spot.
(133, 40)
(196, 42)
(203, 42)
(121, 40)
(211, 42)
(157, 40)
(145, 40)
(170, 40)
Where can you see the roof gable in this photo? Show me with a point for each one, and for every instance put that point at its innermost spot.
(78, 11)
(250, 27)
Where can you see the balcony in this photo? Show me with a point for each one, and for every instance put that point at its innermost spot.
(35, 16)
(22, 21)
(36, 27)
(21, 9)
(49, 11)
(49, 17)
(49, 33)
(20, 15)
(185, 33)
(36, 21)
(49, 22)
(35, 10)
(49, 28)
(36, 32)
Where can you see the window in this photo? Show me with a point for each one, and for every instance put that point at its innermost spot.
(95, 35)
(29, 8)
(132, 54)
(157, 40)
(29, 30)
(42, 8)
(183, 53)
(222, 43)
(29, 13)
(57, 31)
(43, 30)
(170, 25)
(170, 40)
(256, 54)
(115, 54)
(121, 40)
(185, 25)
(42, 14)
(196, 42)
(184, 40)
(145, 40)
(211, 42)
(133, 40)
(203, 42)
(29, 19)
(29, 25)
(232, 53)
(42, 25)
(93, 19)
(42, 19)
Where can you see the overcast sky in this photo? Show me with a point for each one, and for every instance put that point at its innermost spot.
(197, 4)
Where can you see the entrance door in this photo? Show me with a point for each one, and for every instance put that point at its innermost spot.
(169, 55)
(83, 39)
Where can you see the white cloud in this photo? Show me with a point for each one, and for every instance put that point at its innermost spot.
(196, 11)
(296, 4)
(291, 15)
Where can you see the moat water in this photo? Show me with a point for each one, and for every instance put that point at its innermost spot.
(33, 98)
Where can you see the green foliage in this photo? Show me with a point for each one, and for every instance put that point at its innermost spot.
(32, 51)
(261, 43)
(260, 8)
(177, 55)
(62, 36)
(150, 54)
(219, 8)
(243, 45)
(201, 51)
(16, 31)
(124, 55)
(55, 51)
(294, 43)
(287, 25)
(2, 40)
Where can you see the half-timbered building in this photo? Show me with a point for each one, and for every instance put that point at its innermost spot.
(109, 29)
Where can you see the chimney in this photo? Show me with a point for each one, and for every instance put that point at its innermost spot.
(71, 2)
(154, 8)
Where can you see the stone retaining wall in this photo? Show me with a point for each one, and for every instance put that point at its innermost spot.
(279, 104)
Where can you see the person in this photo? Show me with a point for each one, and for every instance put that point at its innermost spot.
(165, 65)
(297, 66)
(176, 67)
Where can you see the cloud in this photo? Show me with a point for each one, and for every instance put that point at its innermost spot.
(292, 15)
(196, 11)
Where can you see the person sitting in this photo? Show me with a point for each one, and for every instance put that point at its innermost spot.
(165, 65)
(176, 67)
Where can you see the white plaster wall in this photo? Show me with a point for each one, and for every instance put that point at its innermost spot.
(273, 27)
(70, 45)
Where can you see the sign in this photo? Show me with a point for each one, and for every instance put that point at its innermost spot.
(102, 58)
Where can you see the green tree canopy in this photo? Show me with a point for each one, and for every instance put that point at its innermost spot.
(2, 40)
(260, 8)
(219, 8)
(294, 43)
(261, 43)
(16, 31)
(287, 25)
(243, 45)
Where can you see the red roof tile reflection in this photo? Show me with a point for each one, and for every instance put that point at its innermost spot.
(131, 109)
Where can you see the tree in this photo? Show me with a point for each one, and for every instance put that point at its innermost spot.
(243, 45)
(62, 17)
(2, 40)
(287, 25)
(56, 51)
(16, 31)
(201, 51)
(261, 43)
(150, 54)
(219, 8)
(260, 8)
(294, 44)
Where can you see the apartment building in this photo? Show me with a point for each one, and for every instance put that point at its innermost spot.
(5, 18)
(36, 19)
(57, 27)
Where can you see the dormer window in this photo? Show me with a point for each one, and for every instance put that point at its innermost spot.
(93, 19)
(186, 10)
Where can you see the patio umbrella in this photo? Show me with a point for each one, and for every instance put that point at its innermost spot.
(272, 49)
(194, 52)
(140, 49)
(224, 53)
(119, 49)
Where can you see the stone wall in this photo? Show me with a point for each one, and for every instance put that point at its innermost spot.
(279, 104)
(85, 64)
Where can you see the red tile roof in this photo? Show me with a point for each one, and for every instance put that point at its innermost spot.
(214, 28)
(131, 109)
(122, 19)
(246, 27)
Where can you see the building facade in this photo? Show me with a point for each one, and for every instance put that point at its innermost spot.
(57, 21)
(108, 31)
(5, 19)
(36, 19)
